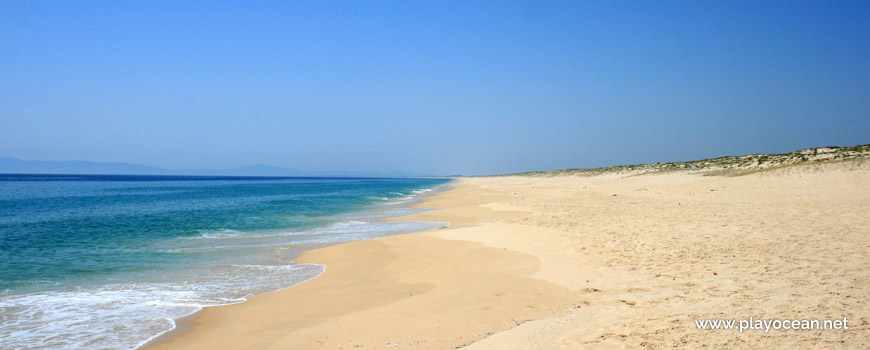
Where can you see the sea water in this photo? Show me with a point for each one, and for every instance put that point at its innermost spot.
(109, 262)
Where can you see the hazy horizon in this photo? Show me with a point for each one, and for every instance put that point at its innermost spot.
(84, 167)
(440, 89)
(14, 165)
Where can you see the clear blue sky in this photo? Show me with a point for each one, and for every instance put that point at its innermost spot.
(433, 87)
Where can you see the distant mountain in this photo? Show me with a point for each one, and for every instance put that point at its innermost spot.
(10, 165)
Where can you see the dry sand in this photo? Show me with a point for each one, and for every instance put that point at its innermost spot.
(573, 262)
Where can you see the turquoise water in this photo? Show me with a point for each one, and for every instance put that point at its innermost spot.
(110, 261)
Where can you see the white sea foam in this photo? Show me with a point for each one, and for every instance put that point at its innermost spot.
(127, 315)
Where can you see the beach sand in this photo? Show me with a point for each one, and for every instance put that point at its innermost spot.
(584, 262)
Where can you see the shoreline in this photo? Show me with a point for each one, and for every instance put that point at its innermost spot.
(184, 324)
(378, 263)
(578, 261)
(122, 280)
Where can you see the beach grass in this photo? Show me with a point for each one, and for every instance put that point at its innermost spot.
(722, 166)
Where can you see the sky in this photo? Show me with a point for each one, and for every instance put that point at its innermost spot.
(437, 87)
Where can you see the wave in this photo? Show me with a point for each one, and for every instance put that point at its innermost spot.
(129, 315)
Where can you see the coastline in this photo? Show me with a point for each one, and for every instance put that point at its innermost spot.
(381, 212)
(385, 272)
(110, 262)
(568, 261)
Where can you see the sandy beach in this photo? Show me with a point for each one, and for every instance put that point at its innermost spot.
(478, 175)
(566, 262)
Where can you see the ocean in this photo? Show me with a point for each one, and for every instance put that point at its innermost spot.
(109, 262)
